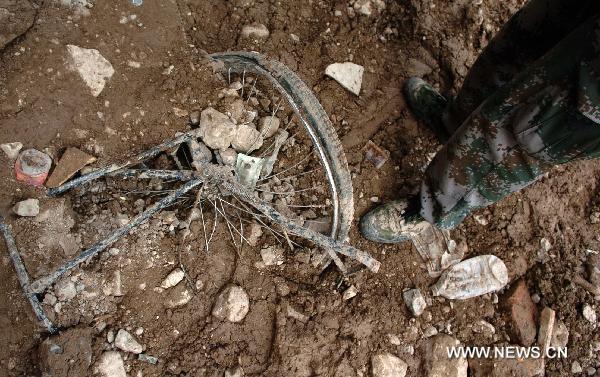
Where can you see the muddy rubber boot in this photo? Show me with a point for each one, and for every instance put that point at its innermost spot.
(428, 106)
(393, 222)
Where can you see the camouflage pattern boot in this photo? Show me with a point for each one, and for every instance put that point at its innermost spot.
(393, 222)
(428, 105)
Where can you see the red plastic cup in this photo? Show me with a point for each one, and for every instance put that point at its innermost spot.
(32, 167)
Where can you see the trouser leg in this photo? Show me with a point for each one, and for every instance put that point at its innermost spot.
(549, 114)
(524, 39)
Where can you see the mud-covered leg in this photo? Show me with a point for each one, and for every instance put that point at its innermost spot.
(547, 115)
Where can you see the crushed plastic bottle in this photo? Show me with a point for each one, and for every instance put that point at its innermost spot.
(471, 278)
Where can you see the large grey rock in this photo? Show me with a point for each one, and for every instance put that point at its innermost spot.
(126, 342)
(16, 17)
(92, 67)
(437, 363)
(388, 365)
(216, 129)
(232, 304)
(111, 365)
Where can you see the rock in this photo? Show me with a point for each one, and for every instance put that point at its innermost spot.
(236, 110)
(415, 301)
(173, 278)
(255, 31)
(484, 327)
(11, 149)
(179, 297)
(234, 372)
(388, 365)
(16, 18)
(417, 68)
(590, 314)
(560, 336)
(503, 367)
(180, 113)
(246, 139)
(27, 208)
(293, 313)
(268, 126)
(232, 304)
(195, 118)
(254, 234)
(349, 293)
(576, 367)
(70, 163)
(65, 290)
(272, 256)
(547, 319)
(348, 75)
(545, 245)
(216, 129)
(437, 363)
(430, 331)
(126, 342)
(111, 365)
(523, 313)
(228, 156)
(92, 67)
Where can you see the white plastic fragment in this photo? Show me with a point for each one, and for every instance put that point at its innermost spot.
(348, 75)
(471, 278)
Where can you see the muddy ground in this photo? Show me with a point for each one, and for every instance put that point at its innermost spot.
(46, 106)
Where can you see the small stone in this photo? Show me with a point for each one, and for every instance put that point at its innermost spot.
(590, 314)
(111, 365)
(234, 372)
(228, 156)
(484, 327)
(348, 75)
(110, 336)
(91, 66)
(560, 336)
(27, 208)
(148, 359)
(429, 331)
(349, 293)
(547, 319)
(173, 278)
(126, 342)
(293, 313)
(255, 31)
(481, 220)
(388, 365)
(179, 297)
(195, 118)
(576, 367)
(545, 245)
(216, 129)
(246, 139)
(363, 7)
(437, 363)
(268, 126)
(11, 149)
(523, 313)
(254, 234)
(272, 256)
(65, 290)
(49, 299)
(394, 339)
(232, 304)
(415, 301)
(180, 113)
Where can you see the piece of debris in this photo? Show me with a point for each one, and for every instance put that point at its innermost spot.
(32, 167)
(435, 249)
(126, 342)
(195, 118)
(430, 331)
(388, 365)
(272, 256)
(70, 163)
(92, 67)
(436, 360)
(576, 367)
(11, 149)
(228, 156)
(65, 290)
(232, 304)
(523, 313)
(148, 359)
(375, 154)
(280, 138)
(414, 300)
(255, 30)
(268, 126)
(111, 365)
(246, 139)
(560, 335)
(216, 129)
(544, 338)
(27, 208)
(254, 234)
(471, 278)
(350, 293)
(173, 278)
(248, 169)
(179, 297)
(348, 75)
(589, 313)
(293, 313)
